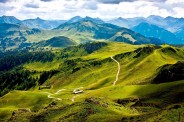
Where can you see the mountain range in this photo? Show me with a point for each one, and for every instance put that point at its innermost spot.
(32, 23)
(97, 30)
(78, 18)
(81, 30)
(169, 23)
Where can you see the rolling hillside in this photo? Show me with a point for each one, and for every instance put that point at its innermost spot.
(13, 36)
(58, 42)
(141, 92)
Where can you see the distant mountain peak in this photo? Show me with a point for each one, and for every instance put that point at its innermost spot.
(38, 18)
(87, 17)
(4, 16)
(9, 19)
(87, 22)
(120, 18)
(74, 19)
(96, 20)
(169, 17)
(154, 16)
(78, 19)
(41, 23)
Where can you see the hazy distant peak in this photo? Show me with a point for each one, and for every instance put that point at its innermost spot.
(38, 18)
(155, 16)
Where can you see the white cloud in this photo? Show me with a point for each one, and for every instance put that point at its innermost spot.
(174, 1)
(65, 9)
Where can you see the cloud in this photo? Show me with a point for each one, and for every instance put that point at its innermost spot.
(32, 5)
(105, 9)
(90, 5)
(119, 1)
(112, 1)
(3, 1)
(46, 0)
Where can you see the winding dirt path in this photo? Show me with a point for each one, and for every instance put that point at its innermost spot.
(50, 95)
(117, 75)
(73, 98)
(76, 92)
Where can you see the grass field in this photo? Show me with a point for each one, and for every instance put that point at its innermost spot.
(133, 98)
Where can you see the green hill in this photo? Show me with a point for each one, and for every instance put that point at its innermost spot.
(13, 36)
(14, 30)
(145, 89)
(89, 30)
(59, 41)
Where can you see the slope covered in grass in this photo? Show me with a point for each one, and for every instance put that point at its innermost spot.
(140, 93)
(59, 41)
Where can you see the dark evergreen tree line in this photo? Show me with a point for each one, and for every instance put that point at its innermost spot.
(16, 79)
(12, 59)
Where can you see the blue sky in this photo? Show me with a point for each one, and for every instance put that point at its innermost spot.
(105, 9)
